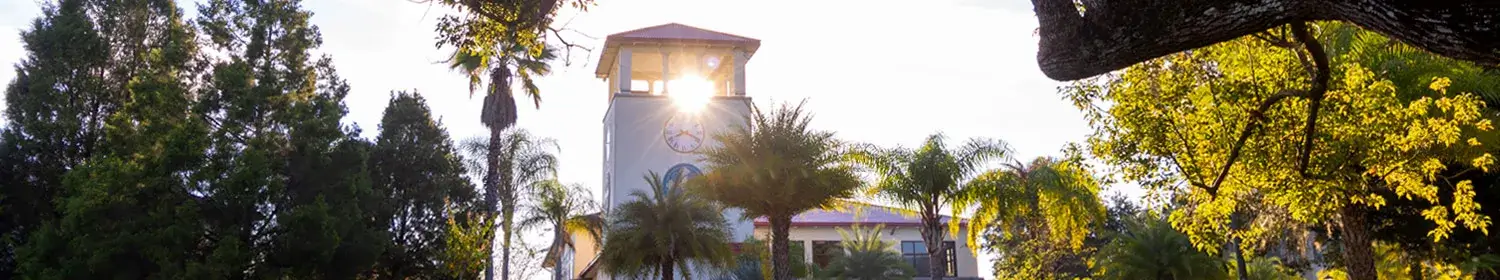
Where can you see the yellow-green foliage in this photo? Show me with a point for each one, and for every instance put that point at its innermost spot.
(1391, 263)
(1171, 122)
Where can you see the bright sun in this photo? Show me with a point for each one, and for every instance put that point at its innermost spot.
(691, 93)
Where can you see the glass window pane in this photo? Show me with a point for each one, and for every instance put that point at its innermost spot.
(950, 258)
(923, 265)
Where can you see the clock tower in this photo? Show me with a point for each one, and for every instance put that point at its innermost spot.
(671, 88)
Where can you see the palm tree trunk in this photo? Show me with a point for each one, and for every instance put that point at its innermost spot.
(506, 211)
(492, 196)
(557, 265)
(666, 269)
(933, 236)
(781, 268)
(1359, 260)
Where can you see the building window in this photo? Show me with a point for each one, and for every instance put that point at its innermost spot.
(915, 253)
(824, 251)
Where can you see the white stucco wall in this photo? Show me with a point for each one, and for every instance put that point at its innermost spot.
(968, 265)
(634, 126)
(635, 145)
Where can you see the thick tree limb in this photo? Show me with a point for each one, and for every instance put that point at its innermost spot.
(1256, 117)
(1114, 34)
(1314, 93)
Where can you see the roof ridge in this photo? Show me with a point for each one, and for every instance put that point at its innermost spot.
(620, 34)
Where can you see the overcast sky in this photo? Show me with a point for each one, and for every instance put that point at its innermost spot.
(886, 72)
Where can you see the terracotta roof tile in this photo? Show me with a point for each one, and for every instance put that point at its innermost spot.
(861, 213)
(677, 31)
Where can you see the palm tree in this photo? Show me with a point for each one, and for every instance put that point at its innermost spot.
(928, 179)
(1062, 194)
(512, 160)
(501, 63)
(869, 257)
(663, 232)
(777, 168)
(1153, 250)
(566, 209)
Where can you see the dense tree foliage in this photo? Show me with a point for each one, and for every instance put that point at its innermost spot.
(70, 81)
(141, 144)
(1173, 124)
(287, 186)
(778, 167)
(132, 188)
(417, 171)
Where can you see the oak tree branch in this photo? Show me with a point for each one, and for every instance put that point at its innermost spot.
(1112, 34)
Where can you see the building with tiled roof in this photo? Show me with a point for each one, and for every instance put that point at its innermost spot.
(815, 235)
(671, 87)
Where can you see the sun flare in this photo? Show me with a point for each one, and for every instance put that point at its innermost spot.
(691, 93)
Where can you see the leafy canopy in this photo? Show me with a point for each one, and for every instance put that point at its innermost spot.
(1169, 124)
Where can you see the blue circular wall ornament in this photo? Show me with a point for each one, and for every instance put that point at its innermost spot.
(677, 174)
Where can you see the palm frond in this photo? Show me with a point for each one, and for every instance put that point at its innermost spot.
(665, 227)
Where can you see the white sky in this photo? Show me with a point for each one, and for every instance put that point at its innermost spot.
(878, 71)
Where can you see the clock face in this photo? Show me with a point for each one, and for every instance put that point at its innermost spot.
(683, 133)
(677, 174)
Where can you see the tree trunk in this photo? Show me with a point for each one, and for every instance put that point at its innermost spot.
(492, 190)
(557, 265)
(1239, 259)
(932, 235)
(492, 196)
(1112, 34)
(781, 268)
(667, 269)
(507, 211)
(1359, 259)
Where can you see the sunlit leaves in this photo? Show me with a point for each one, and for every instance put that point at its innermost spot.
(1169, 124)
(1058, 191)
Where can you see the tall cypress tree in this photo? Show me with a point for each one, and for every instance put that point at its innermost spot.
(287, 185)
(54, 112)
(126, 212)
(417, 170)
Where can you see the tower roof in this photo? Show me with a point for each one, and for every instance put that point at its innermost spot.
(671, 34)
